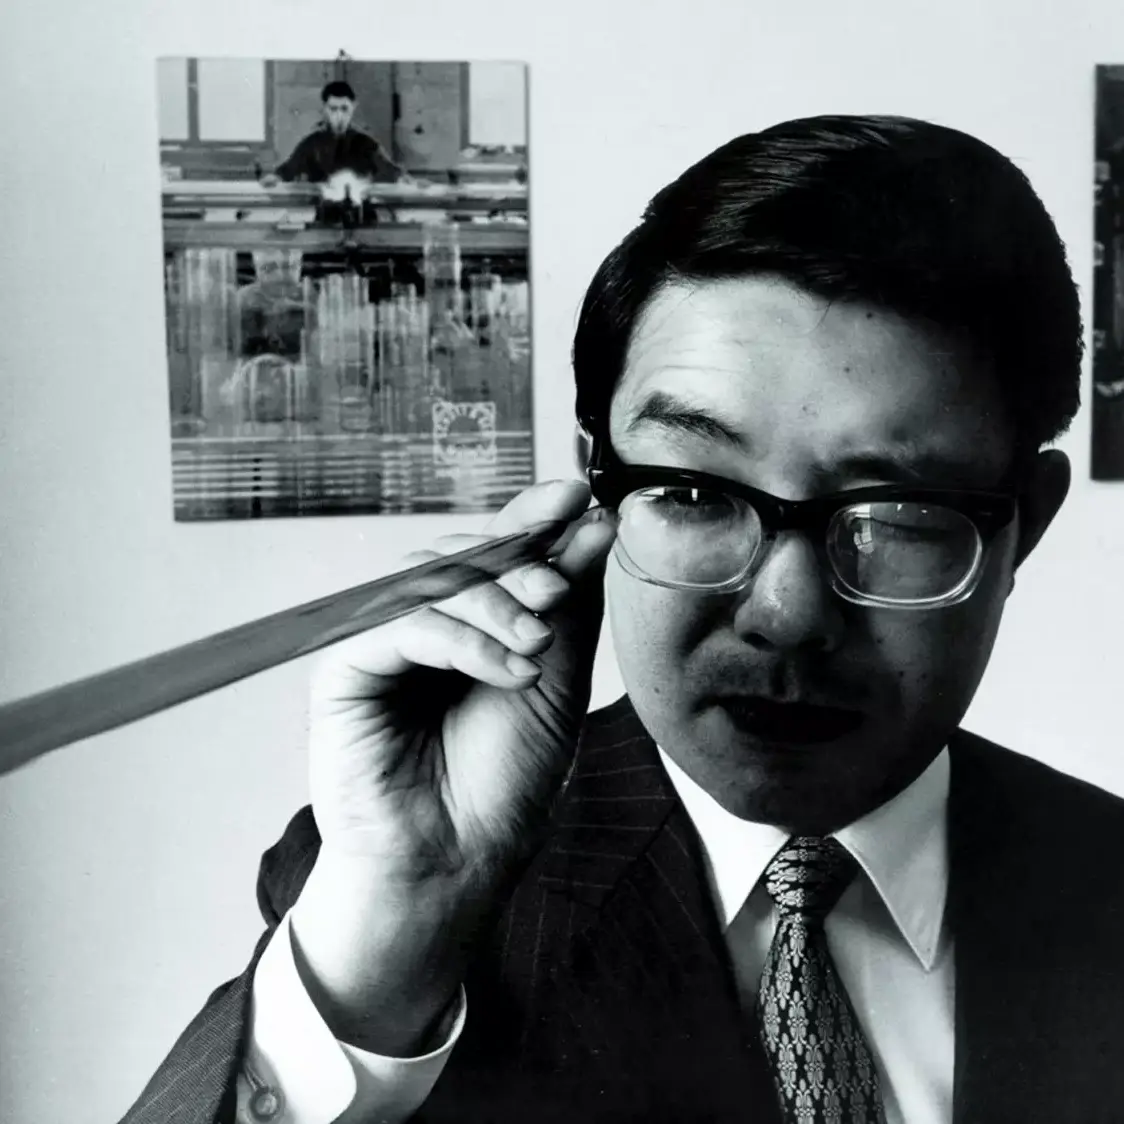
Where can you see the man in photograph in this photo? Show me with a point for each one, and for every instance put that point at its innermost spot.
(776, 882)
(335, 145)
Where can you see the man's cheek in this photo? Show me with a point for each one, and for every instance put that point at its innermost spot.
(939, 666)
(643, 621)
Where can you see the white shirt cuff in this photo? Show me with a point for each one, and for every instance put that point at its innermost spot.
(296, 1072)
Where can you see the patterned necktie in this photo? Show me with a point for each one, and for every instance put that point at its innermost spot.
(820, 1061)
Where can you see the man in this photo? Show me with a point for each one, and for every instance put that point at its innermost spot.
(775, 882)
(334, 146)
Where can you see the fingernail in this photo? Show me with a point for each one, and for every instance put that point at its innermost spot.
(528, 627)
(545, 582)
(521, 666)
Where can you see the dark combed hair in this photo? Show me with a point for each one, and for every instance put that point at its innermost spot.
(920, 219)
(337, 89)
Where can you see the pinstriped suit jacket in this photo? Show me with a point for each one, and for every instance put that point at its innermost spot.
(604, 993)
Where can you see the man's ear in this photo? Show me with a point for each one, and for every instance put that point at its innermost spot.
(583, 449)
(1043, 494)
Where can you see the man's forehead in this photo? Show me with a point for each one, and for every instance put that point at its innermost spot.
(748, 319)
(749, 364)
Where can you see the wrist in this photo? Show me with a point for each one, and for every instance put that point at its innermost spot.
(382, 958)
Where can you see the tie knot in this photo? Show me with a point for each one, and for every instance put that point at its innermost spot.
(808, 875)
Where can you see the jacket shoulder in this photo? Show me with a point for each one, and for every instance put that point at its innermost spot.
(310, 139)
(1036, 821)
(1031, 786)
(362, 137)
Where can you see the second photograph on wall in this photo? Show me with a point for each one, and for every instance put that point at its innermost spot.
(1107, 458)
(346, 285)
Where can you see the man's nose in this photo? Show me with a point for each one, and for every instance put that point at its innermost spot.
(789, 605)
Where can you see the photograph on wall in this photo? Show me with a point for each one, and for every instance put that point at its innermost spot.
(346, 285)
(1108, 277)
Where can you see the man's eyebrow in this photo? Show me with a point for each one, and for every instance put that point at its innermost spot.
(670, 413)
(897, 464)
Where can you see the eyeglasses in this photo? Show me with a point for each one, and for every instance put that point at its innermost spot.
(888, 545)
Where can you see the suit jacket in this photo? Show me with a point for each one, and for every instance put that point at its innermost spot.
(605, 993)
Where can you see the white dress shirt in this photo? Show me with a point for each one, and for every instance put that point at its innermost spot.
(886, 934)
(887, 937)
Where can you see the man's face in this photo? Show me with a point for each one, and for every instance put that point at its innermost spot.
(338, 113)
(808, 398)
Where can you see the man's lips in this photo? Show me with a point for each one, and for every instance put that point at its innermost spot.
(793, 722)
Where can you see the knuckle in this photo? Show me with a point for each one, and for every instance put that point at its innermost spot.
(450, 544)
(480, 601)
(418, 557)
(480, 647)
(424, 626)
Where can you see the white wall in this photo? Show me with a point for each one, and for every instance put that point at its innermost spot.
(127, 864)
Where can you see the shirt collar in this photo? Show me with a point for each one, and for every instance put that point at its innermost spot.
(902, 846)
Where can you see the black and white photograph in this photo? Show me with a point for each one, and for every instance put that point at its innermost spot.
(661, 674)
(346, 287)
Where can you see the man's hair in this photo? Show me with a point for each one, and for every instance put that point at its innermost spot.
(923, 220)
(337, 89)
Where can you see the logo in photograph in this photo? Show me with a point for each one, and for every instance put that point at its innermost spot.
(464, 433)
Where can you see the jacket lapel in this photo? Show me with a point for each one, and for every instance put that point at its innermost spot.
(1013, 992)
(647, 985)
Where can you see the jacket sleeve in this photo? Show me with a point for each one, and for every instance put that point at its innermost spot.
(380, 167)
(195, 1083)
(298, 163)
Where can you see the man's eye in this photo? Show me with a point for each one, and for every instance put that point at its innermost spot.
(908, 532)
(695, 503)
(691, 497)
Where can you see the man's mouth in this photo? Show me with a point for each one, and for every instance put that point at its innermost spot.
(794, 723)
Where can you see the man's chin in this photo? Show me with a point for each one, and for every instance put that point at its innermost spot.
(805, 784)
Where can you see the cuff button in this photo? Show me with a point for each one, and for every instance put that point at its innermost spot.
(266, 1104)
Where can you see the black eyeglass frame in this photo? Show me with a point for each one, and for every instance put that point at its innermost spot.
(611, 481)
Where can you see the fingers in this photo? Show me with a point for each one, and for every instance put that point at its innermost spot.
(507, 608)
(489, 632)
(504, 610)
(509, 617)
(368, 667)
(539, 587)
(486, 633)
(587, 547)
(438, 640)
(541, 503)
(517, 610)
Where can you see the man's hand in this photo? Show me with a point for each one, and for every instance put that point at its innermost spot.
(438, 744)
(270, 179)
